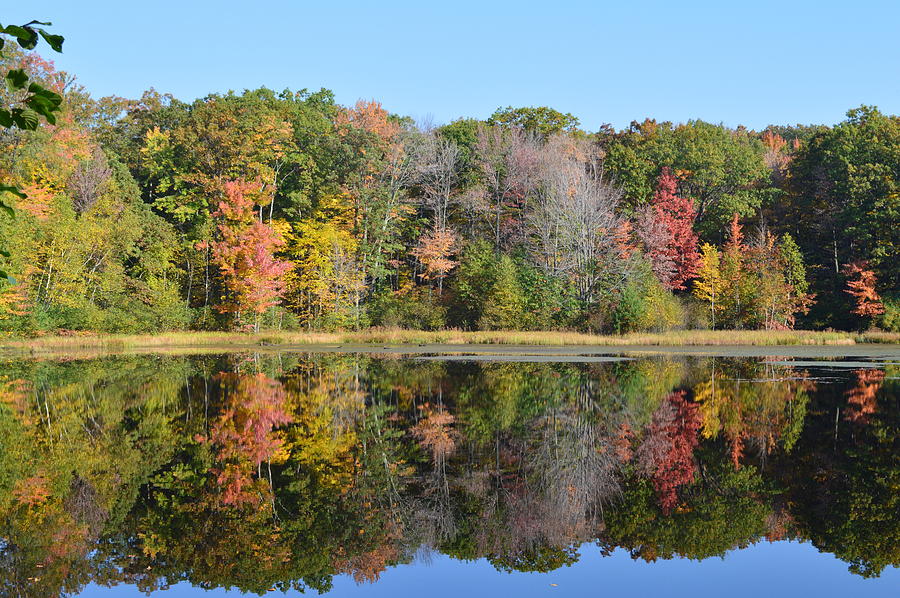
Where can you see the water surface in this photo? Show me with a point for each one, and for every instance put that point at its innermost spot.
(395, 474)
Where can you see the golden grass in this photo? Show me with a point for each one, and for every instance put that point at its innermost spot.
(235, 340)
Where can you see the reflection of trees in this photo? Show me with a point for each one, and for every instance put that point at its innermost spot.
(753, 405)
(862, 398)
(76, 441)
(258, 472)
(843, 478)
(243, 434)
(721, 511)
(667, 451)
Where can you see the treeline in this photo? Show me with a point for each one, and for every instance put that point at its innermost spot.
(287, 210)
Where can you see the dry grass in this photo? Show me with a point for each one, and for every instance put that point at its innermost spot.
(232, 340)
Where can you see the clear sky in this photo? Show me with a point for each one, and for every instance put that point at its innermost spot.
(752, 62)
(764, 569)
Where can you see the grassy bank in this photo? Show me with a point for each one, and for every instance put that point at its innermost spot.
(233, 340)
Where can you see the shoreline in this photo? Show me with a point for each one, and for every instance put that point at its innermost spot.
(394, 340)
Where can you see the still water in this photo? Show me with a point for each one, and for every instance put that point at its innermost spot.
(406, 475)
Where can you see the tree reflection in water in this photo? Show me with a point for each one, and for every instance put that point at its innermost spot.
(257, 472)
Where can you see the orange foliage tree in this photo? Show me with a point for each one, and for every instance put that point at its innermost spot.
(434, 251)
(861, 285)
(245, 254)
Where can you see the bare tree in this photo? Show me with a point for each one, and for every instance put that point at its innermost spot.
(574, 221)
(86, 183)
(509, 159)
(437, 167)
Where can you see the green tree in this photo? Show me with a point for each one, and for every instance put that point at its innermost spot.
(843, 205)
(721, 169)
(504, 305)
(541, 120)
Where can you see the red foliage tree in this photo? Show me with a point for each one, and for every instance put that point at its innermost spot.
(861, 285)
(654, 236)
(669, 233)
(245, 254)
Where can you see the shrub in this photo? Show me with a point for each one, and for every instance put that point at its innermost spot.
(890, 319)
(504, 306)
(695, 313)
(417, 308)
(644, 304)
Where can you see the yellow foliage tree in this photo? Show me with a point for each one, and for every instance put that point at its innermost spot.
(708, 285)
(326, 283)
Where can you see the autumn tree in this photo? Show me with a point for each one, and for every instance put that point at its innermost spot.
(668, 235)
(735, 293)
(378, 187)
(654, 235)
(708, 286)
(508, 159)
(324, 287)
(437, 162)
(861, 286)
(434, 252)
(761, 284)
(575, 222)
(245, 254)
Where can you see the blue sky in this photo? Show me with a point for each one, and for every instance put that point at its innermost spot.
(753, 63)
(780, 569)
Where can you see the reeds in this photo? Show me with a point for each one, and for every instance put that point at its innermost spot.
(396, 336)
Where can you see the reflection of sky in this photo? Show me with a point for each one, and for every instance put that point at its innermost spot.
(780, 569)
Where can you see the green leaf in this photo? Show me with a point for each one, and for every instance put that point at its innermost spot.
(16, 79)
(38, 89)
(25, 36)
(14, 190)
(27, 119)
(14, 30)
(49, 95)
(55, 41)
(5, 118)
(43, 105)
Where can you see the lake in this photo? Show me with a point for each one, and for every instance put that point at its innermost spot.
(430, 470)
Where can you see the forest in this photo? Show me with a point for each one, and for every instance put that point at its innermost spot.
(285, 210)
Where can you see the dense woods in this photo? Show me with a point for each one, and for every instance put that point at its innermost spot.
(267, 209)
